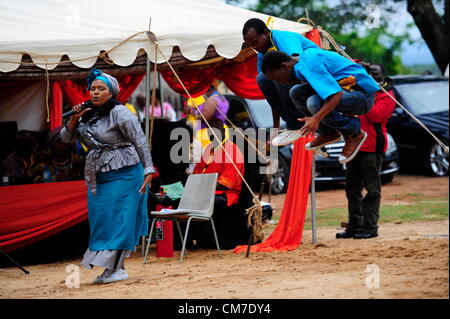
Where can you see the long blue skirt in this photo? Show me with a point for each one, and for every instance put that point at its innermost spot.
(118, 212)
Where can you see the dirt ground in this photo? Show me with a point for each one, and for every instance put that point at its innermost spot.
(407, 260)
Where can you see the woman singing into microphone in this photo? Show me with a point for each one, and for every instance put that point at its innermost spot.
(118, 171)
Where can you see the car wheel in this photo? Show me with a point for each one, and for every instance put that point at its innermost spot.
(436, 161)
(388, 178)
(281, 177)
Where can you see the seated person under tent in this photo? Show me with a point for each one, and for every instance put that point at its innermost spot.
(231, 199)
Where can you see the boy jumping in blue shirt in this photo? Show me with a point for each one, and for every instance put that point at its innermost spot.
(343, 89)
(257, 36)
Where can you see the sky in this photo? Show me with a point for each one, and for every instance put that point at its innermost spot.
(416, 53)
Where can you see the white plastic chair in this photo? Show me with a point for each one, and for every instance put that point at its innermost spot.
(197, 203)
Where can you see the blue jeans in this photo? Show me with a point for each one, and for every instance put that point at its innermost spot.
(354, 103)
(279, 100)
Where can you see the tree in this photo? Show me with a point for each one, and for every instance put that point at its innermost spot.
(369, 49)
(433, 27)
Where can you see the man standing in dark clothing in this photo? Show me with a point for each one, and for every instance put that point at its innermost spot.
(364, 170)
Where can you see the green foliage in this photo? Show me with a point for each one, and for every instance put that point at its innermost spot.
(370, 49)
(344, 15)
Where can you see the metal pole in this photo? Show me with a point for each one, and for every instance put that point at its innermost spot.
(161, 100)
(147, 90)
(313, 199)
(270, 188)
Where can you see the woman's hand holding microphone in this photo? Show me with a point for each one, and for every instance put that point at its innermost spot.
(80, 109)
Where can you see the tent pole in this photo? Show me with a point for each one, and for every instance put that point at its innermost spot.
(146, 112)
(147, 98)
(147, 89)
(313, 199)
(161, 100)
(270, 188)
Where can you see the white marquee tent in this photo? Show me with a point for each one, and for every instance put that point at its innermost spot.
(48, 29)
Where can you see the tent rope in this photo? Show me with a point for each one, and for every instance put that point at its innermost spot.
(331, 40)
(242, 135)
(267, 160)
(445, 147)
(255, 212)
(308, 21)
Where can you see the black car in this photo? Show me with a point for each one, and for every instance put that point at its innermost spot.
(427, 98)
(257, 114)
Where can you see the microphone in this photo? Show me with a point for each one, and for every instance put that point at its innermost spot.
(84, 105)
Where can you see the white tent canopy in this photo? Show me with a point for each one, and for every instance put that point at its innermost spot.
(48, 29)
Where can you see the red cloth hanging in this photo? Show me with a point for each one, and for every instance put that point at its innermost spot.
(197, 82)
(29, 213)
(240, 77)
(55, 105)
(127, 85)
(76, 92)
(314, 36)
(289, 231)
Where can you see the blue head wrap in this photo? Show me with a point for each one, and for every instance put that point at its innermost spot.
(109, 80)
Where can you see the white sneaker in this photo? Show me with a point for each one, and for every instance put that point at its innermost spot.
(286, 137)
(116, 275)
(100, 278)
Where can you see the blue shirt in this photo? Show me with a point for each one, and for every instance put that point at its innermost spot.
(289, 43)
(322, 69)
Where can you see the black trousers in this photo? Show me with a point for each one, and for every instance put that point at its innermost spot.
(364, 212)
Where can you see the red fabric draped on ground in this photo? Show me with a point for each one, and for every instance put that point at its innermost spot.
(29, 213)
(289, 231)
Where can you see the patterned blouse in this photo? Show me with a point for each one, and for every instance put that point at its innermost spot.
(115, 140)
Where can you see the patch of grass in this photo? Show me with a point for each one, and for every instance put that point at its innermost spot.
(431, 200)
(412, 212)
(426, 210)
(414, 195)
(328, 217)
(409, 195)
